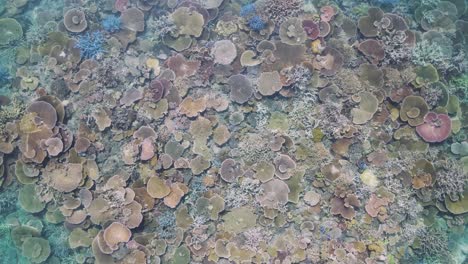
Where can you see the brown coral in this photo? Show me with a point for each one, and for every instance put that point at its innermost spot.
(274, 194)
(44, 112)
(133, 19)
(230, 170)
(284, 166)
(116, 233)
(241, 88)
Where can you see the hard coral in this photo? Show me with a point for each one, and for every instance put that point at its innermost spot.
(75, 20)
(133, 19)
(112, 24)
(436, 127)
(311, 28)
(280, 10)
(91, 45)
(247, 10)
(451, 180)
(256, 23)
(327, 13)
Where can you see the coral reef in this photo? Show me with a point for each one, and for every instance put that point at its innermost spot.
(222, 131)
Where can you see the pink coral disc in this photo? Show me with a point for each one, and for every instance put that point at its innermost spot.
(327, 13)
(436, 127)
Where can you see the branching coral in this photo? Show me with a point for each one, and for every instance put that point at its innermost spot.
(91, 45)
(241, 194)
(434, 244)
(256, 23)
(166, 223)
(280, 10)
(429, 52)
(247, 10)
(451, 180)
(161, 26)
(112, 24)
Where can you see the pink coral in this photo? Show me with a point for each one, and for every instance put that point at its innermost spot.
(327, 13)
(120, 5)
(147, 149)
(436, 127)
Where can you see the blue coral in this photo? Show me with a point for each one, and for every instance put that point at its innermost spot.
(91, 45)
(112, 24)
(256, 23)
(248, 9)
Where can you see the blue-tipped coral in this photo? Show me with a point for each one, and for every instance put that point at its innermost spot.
(248, 9)
(91, 45)
(256, 23)
(112, 24)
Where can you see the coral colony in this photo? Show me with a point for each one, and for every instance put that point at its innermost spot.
(112, 24)
(91, 45)
(234, 131)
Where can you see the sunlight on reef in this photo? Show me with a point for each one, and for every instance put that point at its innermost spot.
(233, 131)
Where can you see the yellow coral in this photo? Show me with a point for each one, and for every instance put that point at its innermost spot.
(377, 247)
(317, 134)
(316, 46)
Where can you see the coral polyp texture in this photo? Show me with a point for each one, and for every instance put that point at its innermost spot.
(234, 131)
